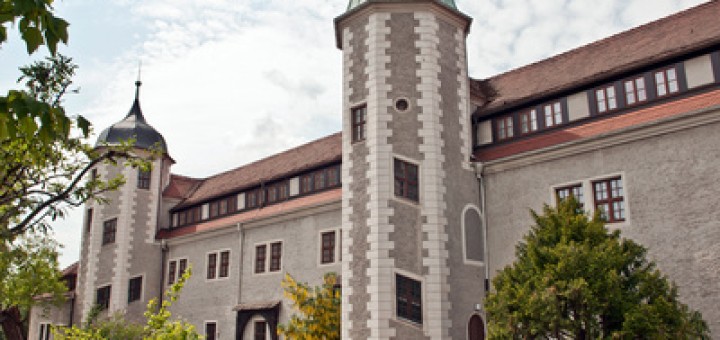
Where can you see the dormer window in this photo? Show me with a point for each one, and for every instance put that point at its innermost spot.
(606, 99)
(504, 127)
(553, 114)
(666, 82)
(143, 179)
(635, 91)
(528, 121)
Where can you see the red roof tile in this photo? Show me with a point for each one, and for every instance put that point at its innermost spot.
(681, 33)
(329, 196)
(305, 157)
(180, 187)
(672, 108)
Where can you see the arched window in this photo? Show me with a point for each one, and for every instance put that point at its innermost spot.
(473, 234)
(476, 328)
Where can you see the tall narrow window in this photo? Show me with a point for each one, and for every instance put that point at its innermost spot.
(224, 264)
(406, 180)
(504, 127)
(210, 331)
(88, 220)
(319, 180)
(251, 199)
(135, 289)
(528, 121)
(333, 176)
(272, 193)
(635, 91)
(408, 298)
(182, 265)
(474, 235)
(553, 114)
(275, 256)
(102, 297)
(143, 179)
(328, 247)
(109, 230)
(306, 183)
(606, 99)
(609, 199)
(666, 82)
(45, 331)
(282, 191)
(260, 253)
(172, 268)
(223, 206)
(358, 116)
(260, 330)
(211, 265)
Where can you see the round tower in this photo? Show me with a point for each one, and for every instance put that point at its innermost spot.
(407, 176)
(120, 260)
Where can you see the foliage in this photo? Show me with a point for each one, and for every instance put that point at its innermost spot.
(158, 326)
(319, 307)
(28, 269)
(574, 279)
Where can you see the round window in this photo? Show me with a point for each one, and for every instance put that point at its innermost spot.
(401, 104)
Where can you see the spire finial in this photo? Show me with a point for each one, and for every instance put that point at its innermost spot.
(138, 82)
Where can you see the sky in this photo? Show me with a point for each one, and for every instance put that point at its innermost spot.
(228, 82)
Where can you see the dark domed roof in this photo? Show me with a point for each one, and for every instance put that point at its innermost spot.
(133, 126)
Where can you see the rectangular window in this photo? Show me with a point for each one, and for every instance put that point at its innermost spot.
(575, 190)
(224, 264)
(319, 180)
(358, 116)
(88, 220)
(210, 331)
(143, 179)
(109, 229)
(272, 193)
(102, 297)
(408, 294)
(182, 265)
(553, 114)
(260, 330)
(260, 253)
(211, 266)
(666, 82)
(135, 289)
(275, 256)
(328, 247)
(406, 180)
(504, 127)
(609, 199)
(528, 121)
(282, 191)
(635, 91)
(172, 269)
(333, 176)
(44, 332)
(306, 183)
(606, 99)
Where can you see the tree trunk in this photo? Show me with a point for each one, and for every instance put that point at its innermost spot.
(12, 324)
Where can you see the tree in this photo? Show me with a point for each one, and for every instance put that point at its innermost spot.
(573, 279)
(28, 269)
(158, 324)
(319, 308)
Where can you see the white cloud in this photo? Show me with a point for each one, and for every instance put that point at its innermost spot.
(230, 81)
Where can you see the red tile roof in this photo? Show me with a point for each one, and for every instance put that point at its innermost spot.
(305, 157)
(180, 187)
(614, 123)
(288, 206)
(684, 32)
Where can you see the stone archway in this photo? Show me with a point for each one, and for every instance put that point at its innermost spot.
(476, 328)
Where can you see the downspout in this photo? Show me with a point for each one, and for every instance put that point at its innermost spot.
(164, 248)
(241, 239)
(481, 194)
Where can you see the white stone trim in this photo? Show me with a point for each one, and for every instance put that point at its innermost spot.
(142, 286)
(123, 239)
(464, 240)
(464, 102)
(432, 190)
(347, 194)
(268, 254)
(423, 297)
(217, 253)
(94, 245)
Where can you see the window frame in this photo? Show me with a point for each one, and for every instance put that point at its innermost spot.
(463, 227)
(335, 247)
(143, 179)
(109, 231)
(214, 323)
(666, 83)
(88, 219)
(556, 116)
(174, 266)
(405, 182)
(106, 300)
(257, 267)
(635, 92)
(505, 127)
(256, 334)
(397, 298)
(531, 121)
(44, 330)
(571, 188)
(217, 267)
(358, 128)
(602, 97)
(135, 295)
(610, 199)
(272, 267)
(589, 207)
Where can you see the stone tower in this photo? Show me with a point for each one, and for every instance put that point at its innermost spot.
(413, 241)
(120, 260)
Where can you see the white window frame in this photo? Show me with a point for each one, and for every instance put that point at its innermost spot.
(268, 255)
(217, 264)
(217, 329)
(142, 287)
(44, 331)
(177, 269)
(589, 197)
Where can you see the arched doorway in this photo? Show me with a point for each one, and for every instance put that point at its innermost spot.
(476, 328)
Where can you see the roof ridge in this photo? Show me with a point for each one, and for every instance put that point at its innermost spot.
(603, 41)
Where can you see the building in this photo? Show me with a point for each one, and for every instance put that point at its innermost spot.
(423, 195)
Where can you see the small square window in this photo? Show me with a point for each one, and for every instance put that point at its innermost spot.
(135, 289)
(406, 180)
(109, 230)
(358, 116)
(408, 298)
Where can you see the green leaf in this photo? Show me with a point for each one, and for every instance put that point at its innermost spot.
(84, 125)
(33, 39)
